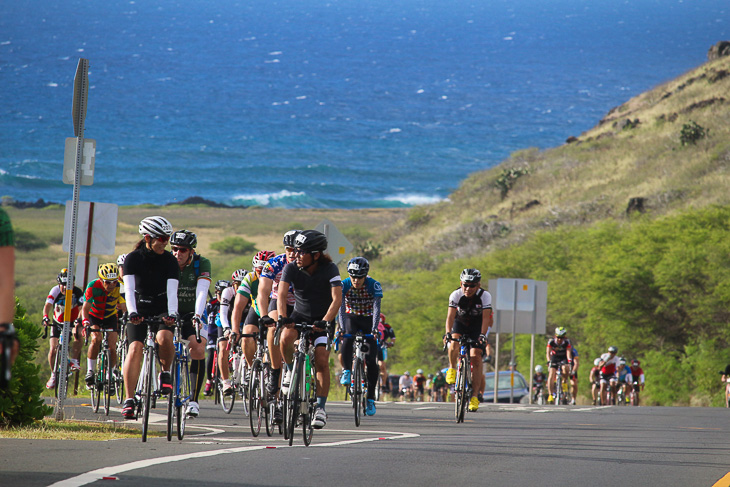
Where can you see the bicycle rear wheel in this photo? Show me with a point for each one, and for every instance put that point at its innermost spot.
(255, 390)
(119, 377)
(147, 394)
(310, 399)
(108, 378)
(356, 389)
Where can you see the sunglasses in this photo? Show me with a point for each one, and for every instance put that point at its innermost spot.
(303, 252)
(164, 239)
(179, 249)
(467, 285)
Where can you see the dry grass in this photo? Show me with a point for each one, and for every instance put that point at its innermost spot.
(73, 430)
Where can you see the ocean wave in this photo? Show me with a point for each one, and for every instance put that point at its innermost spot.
(411, 199)
(279, 199)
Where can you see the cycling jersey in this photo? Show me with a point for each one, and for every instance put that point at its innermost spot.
(638, 374)
(312, 292)
(187, 290)
(469, 310)
(250, 289)
(273, 270)
(360, 301)
(58, 300)
(610, 364)
(624, 375)
(151, 272)
(103, 305)
(558, 351)
(539, 379)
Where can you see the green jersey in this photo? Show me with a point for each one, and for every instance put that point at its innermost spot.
(250, 288)
(199, 268)
(6, 230)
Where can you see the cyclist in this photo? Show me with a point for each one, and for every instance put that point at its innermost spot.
(317, 287)
(624, 378)
(438, 388)
(608, 375)
(419, 383)
(55, 306)
(7, 287)
(360, 311)
(638, 374)
(386, 339)
(538, 382)
(405, 384)
(211, 315)
(221, 330)
(192, 294)
(268, 294)
(574, 376)
(120, 268)
(559, 353)
(470, 313)
(102, 303)
(595, 378)
(151, 278)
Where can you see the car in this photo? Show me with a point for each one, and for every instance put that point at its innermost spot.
(521, 391)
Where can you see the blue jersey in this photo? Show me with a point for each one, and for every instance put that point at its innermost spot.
(360, 301)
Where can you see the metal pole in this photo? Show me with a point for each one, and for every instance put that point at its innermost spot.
(512, 360)
(532, 363)
(496, 362)
(79, 109)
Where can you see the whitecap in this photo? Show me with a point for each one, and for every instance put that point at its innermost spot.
(444, 97)
(420, 91)
(52, 85)
(4, 43)
(303, 97)
(267, 199)
(412, 199)
(273, 61)
(276, 53)
(395, 130)
(507, 38)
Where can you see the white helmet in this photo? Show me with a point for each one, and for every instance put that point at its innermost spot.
(597, 361)
(121, 259)
(538, 369)
(155, 226)
(419, 371)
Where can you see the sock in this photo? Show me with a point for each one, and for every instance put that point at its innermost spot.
(91, 364)
(321, 401)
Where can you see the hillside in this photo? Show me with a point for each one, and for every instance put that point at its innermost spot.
(635, 151)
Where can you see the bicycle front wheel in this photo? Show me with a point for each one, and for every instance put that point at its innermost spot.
(183, 397)
(119, 377)
(147, 392)
(255, 391)
(294, 400)
(96, 392)
(241, 386)
(356, 389)
(172, 399)
(461, 390)
(108, 381)
(310, 400)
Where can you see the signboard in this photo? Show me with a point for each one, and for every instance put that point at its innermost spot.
(88, 160)
(528, 297)
(337, 244)
(82, 277)
(101, 237)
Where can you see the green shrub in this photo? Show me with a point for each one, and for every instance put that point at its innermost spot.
(21, 403)
(368, 249)
(234, 245)
(507, 179)
(26, 241)
(692, 132)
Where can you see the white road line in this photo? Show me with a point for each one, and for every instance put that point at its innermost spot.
(99, 474)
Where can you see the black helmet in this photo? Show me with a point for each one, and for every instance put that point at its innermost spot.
(471, 275)
(358, 267)
(221, 285)
(290, 236)
(311, 241)
(62, 277)
(184, 238)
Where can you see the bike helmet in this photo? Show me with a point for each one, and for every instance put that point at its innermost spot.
(108, 271)
(419, 371)
(184, 238)
(430, 376)
(290, 236)
(622, 362)
(259, 260)
(62, 277)
(612, 349)
(471, 275)
(155, 226)
(597, 362)
(221, 285)
(358, 267)
(635, 363)
(560, 332)
(239, 275)
(121, 259)
(406, 373)
(311, 241)
(538, 369)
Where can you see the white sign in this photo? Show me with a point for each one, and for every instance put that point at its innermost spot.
(337, 244)
(87, 161)
(103, 217)
(528, 297)
(81, 276)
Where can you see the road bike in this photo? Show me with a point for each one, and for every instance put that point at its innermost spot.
(57, 361)
(463, 384)
(226, 401)
(301, 399)
(122, 348)
(538, 396)
(562, 385)
(179, 399)
(258, 397)
(634, 395)
(147, 390)
(104, 376)
(358, 379)
(238, 377)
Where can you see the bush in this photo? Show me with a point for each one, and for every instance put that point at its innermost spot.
(692, 132)
(369, 249)
(21, 403)
(26, 241)
(234, 245)
(506, 181)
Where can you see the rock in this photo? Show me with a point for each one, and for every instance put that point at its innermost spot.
(198, 200)
(39, 203)
(626, 124)
(635, 204)
(719, 50)
(571, 139)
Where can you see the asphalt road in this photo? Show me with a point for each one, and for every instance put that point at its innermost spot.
(404, 444)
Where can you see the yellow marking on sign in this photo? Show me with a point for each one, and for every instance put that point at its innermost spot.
(341, 250)
(723, 482)
(524, 287)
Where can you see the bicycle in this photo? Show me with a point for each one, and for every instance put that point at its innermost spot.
(261, 407)
(57, 361)
(538, 396)
(301, 399)
(104, 376)
(358, 381)
(147, 390)
(634, 395)
(122, 348)
(181, 388)
(463, 384)
(238, 377)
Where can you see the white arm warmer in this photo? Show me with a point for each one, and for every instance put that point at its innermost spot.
(129, 296)
(201, 296)
(172, 296)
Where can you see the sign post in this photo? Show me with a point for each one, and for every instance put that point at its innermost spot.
(78, 112)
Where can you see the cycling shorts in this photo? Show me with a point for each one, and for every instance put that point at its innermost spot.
(382, 354)
(110, 323)
(556, 361)
(319, 338)
(138, 333)
(252, 318)
(472, 332)
(608, 378)
(272, 307)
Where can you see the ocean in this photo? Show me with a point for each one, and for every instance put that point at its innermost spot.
(323, 104)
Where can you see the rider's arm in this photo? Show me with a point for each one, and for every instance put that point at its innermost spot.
(341, 312)
(450, 317)
(239, 305)
(171, 296)
(201, 295)
(376, 314)
(281, 298)
(334, 308)
(265, 285)
(129, 295)
(85, 310)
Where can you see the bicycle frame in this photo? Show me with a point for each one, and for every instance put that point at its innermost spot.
(301, 399)
(181, 388)
(358, 382)
(463, 384)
